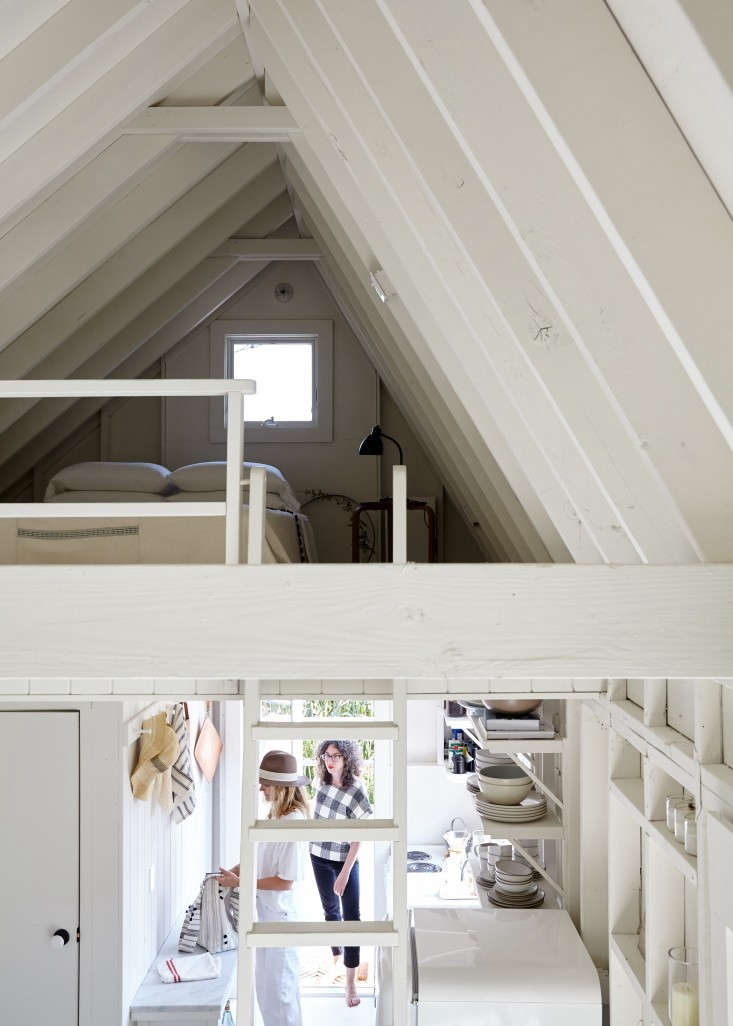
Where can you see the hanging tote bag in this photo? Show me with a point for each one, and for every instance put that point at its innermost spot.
(212, 920)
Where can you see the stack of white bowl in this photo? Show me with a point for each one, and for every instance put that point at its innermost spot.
(505, 795)
(489, 854)
(484, 757)
(532, 848)
(515, 886)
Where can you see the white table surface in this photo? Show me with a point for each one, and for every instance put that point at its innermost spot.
(202, 1000)
(423, 888)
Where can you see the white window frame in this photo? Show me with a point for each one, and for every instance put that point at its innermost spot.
(321, 332)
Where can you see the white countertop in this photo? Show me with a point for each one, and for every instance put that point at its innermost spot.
(423, 888)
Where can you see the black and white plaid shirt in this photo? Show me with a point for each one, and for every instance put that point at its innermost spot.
(338, 803)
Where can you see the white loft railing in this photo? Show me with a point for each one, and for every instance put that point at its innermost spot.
(232, 391)
(231, 509)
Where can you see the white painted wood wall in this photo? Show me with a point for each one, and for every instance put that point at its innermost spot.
(178, 854)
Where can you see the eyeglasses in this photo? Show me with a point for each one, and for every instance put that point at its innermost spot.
(331, 756)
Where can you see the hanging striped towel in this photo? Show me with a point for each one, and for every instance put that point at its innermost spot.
(190, 967)
(184, 790)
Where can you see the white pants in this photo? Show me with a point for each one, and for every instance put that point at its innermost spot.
(277, 972)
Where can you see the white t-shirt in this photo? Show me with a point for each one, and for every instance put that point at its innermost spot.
(284, 859)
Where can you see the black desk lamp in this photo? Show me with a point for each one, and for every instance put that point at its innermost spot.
(372, 444)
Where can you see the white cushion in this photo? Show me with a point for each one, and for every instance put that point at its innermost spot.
(107, 476)
(211, 477)
(104, 497)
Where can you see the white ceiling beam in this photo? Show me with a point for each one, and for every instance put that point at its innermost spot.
(552, 271)
(676, 43)
(394, 348)
(22, 20)
(416, 251)
(270, 249)
(483, 265)
(206, 124)
(339, 621)
(67, 56)
(97, 240)
(669, 228)
(118, 168)
(139, 254)
(145, 322)
(375, 341)
(91, 121)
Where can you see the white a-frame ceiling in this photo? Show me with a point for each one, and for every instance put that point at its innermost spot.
(546, 197)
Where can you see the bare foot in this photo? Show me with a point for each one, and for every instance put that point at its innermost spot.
(352, 997)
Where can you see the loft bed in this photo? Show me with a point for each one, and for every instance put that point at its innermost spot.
(154, 537)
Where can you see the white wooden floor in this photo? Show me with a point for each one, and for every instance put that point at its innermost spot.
(319, 1009)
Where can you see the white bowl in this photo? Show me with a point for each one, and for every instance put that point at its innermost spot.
(504, 794)
(504, 785)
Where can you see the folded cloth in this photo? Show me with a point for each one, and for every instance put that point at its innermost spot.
(189, 968)
(184, 790)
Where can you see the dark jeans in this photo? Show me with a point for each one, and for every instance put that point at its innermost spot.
(325, 872)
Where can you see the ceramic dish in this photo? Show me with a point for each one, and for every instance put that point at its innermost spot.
(504, 785)
(515, 706)
(513, 870)
(503, 901)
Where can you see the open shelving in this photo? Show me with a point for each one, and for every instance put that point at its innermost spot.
(546, 774)
(655, 900)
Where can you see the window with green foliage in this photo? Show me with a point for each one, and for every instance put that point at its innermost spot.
(323, 708)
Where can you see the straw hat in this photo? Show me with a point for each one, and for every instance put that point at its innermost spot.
(281, 768)
(158, 751)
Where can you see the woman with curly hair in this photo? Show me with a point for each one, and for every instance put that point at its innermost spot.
(340, 795)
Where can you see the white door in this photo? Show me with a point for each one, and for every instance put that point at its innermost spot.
(39, 868)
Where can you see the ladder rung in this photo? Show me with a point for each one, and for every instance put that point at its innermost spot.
(368, 730)
(324, 830)
(297, 935)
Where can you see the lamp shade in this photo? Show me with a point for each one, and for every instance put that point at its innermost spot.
(372, 444)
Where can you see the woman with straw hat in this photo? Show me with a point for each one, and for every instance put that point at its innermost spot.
(279, 866)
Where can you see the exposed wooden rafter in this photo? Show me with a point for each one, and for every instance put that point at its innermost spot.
(207, 124)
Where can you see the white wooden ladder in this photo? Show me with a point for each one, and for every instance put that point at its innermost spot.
(391, 933)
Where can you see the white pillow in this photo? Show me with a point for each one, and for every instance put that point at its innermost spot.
(104, 497)
(272, 501)
(107, 476)
(211, 477)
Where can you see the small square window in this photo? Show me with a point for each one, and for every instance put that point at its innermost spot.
(292, 364)
(284, 371)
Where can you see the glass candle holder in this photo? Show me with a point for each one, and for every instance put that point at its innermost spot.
(670, 803)
(691, 834)
(682, 981)
(680, 811)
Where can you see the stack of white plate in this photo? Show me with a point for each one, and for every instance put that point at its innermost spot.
(514, 887)
(533, 807)
(489, 854)
(472, 784)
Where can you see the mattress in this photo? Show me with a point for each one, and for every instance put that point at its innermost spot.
(149, 540)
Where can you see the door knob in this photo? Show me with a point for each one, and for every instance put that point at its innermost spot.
(60, 938)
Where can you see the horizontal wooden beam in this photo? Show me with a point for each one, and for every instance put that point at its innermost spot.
(31, 388)
(371, 730)
(270, 249)
(113, 510)
(325, 829)
(298, 935)
(208, 124)
(342, 621)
